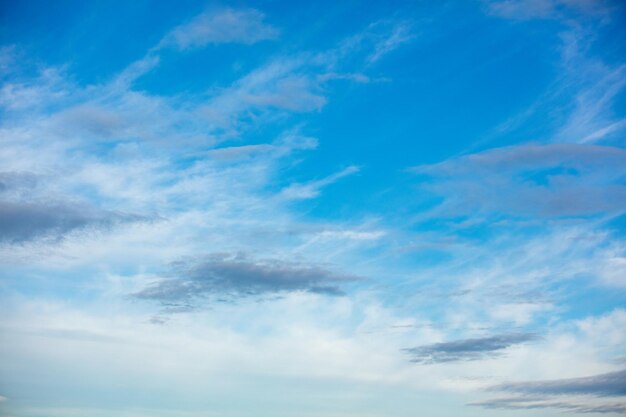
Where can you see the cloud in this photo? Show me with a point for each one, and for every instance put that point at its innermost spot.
(533, 403)
(356, 77)
(578, 395)
(13, 181)
(467, 349)
(547, 9)
(604, 131)
(284, 84)
(142, 66)
(580, 105)
(26, 215)
(590, 85)
(91, 120)
(591, 120)
(312, 189)
(237, 152)
(236, 275)
(296, 83)
(25, 221)
(387, 42)
(610, 384)
(245, 26)
(34, 94)
(110, 146)
(531, 180)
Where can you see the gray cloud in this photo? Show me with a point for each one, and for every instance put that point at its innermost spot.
(10, 181)
(24, 221)
(532, 403)
(573, 394)
(90, 120)
(235, 275)
(24, 217)
(611, 384)
(531, 180)
(467, 349)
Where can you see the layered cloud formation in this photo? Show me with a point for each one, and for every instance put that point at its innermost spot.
(331, 210)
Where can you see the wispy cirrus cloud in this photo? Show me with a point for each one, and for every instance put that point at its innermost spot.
(298, 83)
(386, 41)
(595, 85)
(312, 189)
(580, 104)
(284, 85)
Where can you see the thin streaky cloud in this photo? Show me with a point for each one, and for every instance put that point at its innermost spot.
(609, 384)
(537, 403)
(236, 275)
(313, 189)
(589, 394)
(468, 349)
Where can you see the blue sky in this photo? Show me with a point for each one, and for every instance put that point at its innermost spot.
(322, 209)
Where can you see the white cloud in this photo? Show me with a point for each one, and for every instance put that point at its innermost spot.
(304, 337)
(605, 131)
(312, 189)
(400, 33)
(125, 150)
(593, 117)
(579, 105)
(614, 270)
(221, 26)
(547, 9)
(49, 87)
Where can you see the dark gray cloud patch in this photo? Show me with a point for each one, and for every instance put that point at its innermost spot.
(611, 384)
(236, 275)
(25, 221)
(28, 212)
(590, 394)
(467, 349)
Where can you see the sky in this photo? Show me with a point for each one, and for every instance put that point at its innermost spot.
(312, 209)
